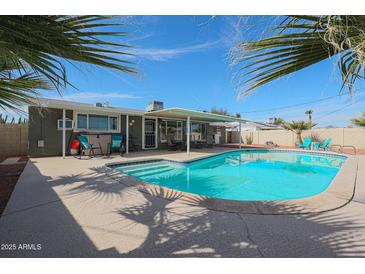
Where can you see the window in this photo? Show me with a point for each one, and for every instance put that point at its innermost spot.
(219, 130)
(68, 123)
(163, 131)
(97, 122)
(198, 132)
(170, 127)
(179, 131)
(82, 121)
(113, 123)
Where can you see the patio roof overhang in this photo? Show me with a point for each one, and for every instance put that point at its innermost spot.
(180, 113)
(193, 115)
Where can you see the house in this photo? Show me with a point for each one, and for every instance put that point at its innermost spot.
(53, 124)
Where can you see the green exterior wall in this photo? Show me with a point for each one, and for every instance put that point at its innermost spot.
(43, 126)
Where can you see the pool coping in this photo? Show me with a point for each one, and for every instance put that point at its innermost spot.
(339, 192)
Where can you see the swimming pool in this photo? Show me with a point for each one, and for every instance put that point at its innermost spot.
(244, 175)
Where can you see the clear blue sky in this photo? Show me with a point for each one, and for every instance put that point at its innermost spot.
(183, 61)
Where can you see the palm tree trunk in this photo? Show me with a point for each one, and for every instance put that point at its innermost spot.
(299, 138)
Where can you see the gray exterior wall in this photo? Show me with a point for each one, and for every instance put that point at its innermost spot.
(43, 126)
(136, 131)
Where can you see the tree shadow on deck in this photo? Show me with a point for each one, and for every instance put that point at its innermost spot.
(180, 230)
(170, 226)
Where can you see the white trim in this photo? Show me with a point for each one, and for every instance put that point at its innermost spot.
(179, 119)
(143, 131)
(188, 136)
(199, 114)
(87, 122)
(127, 134)
(156, 135)
(240, 130)
(76, 129)
(67, 120)
(165, 140)
(63, 133)
(181, 130)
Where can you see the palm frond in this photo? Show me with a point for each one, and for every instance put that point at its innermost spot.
(297, 126)
(301, 42)
(360, 121)
(42, 42)
(35, 48)
(16, 91)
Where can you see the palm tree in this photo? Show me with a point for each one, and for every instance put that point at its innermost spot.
(297, 127)
(300, 42)
(309, 112)
(360, 121)
(278, 121)
(34, 50)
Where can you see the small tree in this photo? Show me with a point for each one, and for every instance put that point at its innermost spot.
(360, 121)
(222, 111)
(249, 138)
(3, 120)
(297, 127)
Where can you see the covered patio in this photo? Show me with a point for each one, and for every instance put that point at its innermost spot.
(195, 116)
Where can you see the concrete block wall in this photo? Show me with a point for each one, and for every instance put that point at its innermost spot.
(341, 136)
(13, 139)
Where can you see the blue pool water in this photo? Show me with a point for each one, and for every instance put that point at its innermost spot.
(244, 175)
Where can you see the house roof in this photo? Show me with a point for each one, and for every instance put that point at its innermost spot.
(180, 113)
(62, 104)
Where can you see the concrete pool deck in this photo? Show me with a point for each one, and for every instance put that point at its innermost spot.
(72, 208)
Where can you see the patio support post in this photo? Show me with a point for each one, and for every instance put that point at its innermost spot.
(188, 135)
(126, 134)
(63, 133)
(240, 132)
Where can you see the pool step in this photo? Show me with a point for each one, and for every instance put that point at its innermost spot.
(150, 171)
(136, 168)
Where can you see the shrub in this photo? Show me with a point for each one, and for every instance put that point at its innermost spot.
(249, 138)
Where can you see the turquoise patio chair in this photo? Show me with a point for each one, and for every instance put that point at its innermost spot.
(306, 143)
(85, 145)
(117, 144)
(326, 144)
